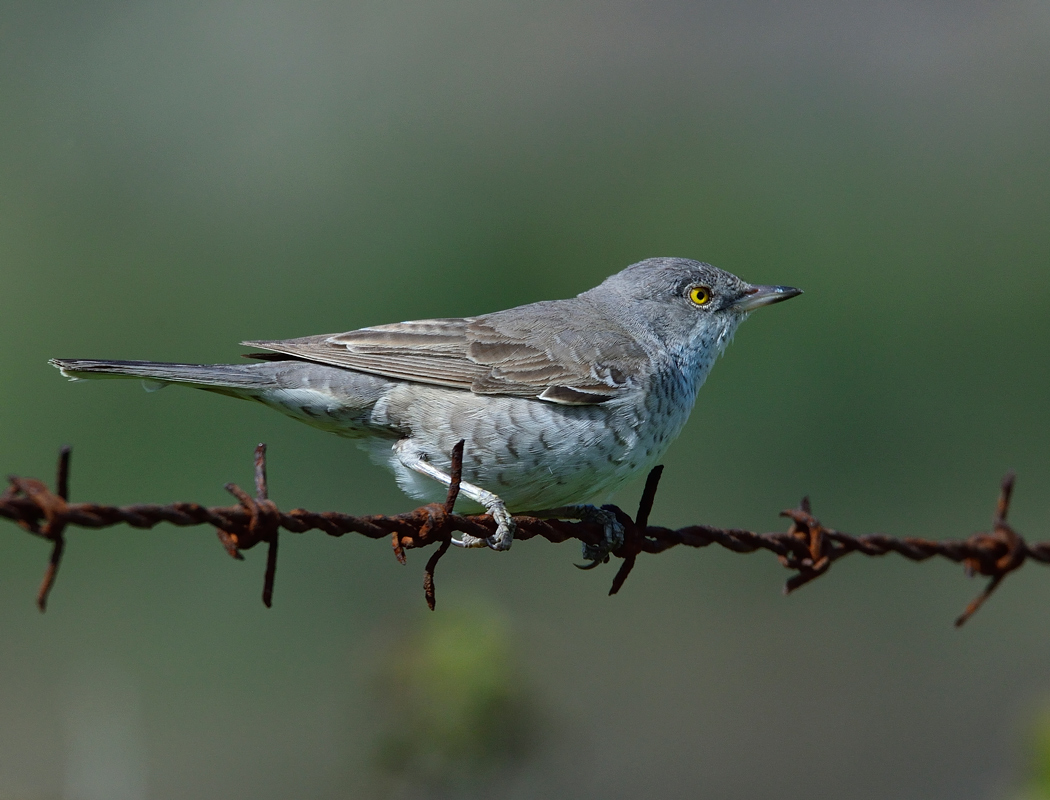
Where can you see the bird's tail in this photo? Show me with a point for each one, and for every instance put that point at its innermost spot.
(156, 375)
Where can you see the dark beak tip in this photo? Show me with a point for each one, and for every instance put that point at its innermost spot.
(777, 294)
(759, 296)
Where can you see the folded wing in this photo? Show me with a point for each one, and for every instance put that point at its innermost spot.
(538, 351)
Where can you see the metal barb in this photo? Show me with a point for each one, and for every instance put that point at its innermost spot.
(429, 589)
(1006, 490)
(55, 528)
(634, 532)
(62, 479)
(645, 504)
(811, 535)
(261, 490)
(1001, 552)
(263, 524)
(399, 550)
(456, 475)
(262, 497)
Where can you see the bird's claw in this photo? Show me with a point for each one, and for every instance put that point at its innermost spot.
(500, 540)
(593, 562)
(596, 554)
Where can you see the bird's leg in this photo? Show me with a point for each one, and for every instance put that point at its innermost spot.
(594, 553)
(504, 535)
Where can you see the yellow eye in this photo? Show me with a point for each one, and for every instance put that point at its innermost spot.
(700, 295)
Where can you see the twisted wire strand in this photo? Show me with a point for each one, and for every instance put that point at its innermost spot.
(807, 548)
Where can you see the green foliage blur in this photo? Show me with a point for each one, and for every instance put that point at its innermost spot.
(1038, 787)
(456, 712)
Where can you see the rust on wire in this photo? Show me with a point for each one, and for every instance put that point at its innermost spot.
(634, 530)
(807, 548)
(456, 474)
(52, 507)
(1003, 542)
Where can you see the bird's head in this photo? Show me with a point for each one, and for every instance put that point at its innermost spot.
(690, 307)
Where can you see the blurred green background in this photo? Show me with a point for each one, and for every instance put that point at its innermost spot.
(175, 178)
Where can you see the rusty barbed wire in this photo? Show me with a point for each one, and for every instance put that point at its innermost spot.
(807, 548)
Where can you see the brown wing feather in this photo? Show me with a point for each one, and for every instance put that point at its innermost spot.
(544, 351)
(428, 351)
(510, 353)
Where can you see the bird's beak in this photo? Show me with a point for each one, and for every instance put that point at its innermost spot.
(758, 296)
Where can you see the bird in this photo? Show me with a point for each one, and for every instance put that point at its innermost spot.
(559, 402)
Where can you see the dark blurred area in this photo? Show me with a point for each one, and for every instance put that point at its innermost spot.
(177, 178)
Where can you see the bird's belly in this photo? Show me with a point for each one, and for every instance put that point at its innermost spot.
(329, 398)
(532, 454)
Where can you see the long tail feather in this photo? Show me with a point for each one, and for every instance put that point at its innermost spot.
(155, 374)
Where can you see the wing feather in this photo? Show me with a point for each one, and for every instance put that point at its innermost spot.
(545, 357)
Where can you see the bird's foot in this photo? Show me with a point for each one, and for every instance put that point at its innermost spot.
(613, 529)
(597, 554)
(501, 539)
